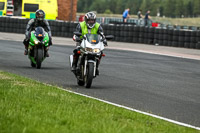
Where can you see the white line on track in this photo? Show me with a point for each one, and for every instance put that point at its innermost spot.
(132, 109)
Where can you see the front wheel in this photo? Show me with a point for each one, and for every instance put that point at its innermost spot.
(39, 58)
(89, 74)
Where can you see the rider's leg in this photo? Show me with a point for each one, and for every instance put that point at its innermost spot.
(26, 43)
(98, 63)
(75, 59)
(47, 49)
(50, 43)
(75, 56)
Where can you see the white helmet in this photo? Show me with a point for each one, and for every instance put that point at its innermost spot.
(90, 19)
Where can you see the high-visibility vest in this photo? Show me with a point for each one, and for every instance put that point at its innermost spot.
(85, 29)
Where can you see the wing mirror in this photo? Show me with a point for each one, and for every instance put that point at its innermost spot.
(109, 37)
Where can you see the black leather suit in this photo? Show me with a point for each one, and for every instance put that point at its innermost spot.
(32, 24)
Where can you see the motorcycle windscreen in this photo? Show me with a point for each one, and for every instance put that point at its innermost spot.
(39, 33)
(93, 38)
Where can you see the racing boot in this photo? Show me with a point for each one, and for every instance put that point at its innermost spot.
(26, 43)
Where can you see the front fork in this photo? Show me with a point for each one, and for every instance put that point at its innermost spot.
(95, 61)
(82, 64)
(85, 66)
(32, 50)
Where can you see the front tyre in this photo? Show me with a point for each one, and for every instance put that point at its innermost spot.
(89, 74)
(39, 58)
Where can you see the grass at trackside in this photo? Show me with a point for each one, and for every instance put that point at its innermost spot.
(28, 106)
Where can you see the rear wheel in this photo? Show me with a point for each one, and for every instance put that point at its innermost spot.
(39, 58)
(89, 75)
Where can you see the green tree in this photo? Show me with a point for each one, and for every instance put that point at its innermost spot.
(169, 8)
(112, 4)
(189, 9)
(84, 5)
(98, 6)
(145, 5)
(196, 10)
(180, 9)
(107, 11)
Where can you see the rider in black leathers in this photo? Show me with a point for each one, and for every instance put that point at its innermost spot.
(32, 24)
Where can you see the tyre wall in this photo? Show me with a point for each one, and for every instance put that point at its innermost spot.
(165, 36)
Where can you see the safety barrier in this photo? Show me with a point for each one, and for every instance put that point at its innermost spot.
(187, 37)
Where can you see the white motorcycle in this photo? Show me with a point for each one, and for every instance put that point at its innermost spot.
(90, 53)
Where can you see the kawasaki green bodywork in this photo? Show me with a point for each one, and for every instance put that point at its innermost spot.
(34, 39)
(34, 42)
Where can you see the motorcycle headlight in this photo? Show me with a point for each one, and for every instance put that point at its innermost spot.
(96, 50)
(36, 41)
(89, 49)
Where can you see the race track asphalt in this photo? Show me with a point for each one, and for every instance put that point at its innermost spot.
(162, 85)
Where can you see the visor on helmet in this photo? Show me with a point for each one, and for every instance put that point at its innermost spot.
(90, 19)
(40, 17)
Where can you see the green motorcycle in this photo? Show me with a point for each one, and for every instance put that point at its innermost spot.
(38, 47)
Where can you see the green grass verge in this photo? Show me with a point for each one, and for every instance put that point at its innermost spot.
(28, 106)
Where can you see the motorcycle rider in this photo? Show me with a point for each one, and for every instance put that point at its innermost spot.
(89, 25)
(32, 24)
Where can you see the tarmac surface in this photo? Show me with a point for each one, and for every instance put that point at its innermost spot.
(157, 79)
(162, 50)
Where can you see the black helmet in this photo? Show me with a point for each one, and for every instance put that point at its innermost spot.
(90, 19)
(39, 15)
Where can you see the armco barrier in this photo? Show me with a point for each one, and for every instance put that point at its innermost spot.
(187, 37)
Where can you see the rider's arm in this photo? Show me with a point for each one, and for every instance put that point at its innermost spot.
(149, 17)
(47, 27)
(78, 29)
(29, 28)
(100, 31)
(48, 30)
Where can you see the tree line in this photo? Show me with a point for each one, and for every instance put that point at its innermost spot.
(168, 8)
